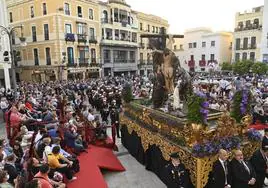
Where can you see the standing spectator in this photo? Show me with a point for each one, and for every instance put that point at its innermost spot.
(260, 164)
(220, 171)
(243, 174)
(4, 105)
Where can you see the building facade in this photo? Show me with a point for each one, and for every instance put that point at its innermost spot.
(119, 46)
(264, 44)
(122, 50)
(78, 39)
(4, 47)
(61, 36)
(248, 35)
(201, 49)
(148, 24)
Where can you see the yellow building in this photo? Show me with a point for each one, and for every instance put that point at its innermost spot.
(77, 39)
(247, 35)
(148, 24)
(62, 38)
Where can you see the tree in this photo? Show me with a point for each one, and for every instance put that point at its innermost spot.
(225, 66)
(127, 93)
(259, 68)
(242, 67)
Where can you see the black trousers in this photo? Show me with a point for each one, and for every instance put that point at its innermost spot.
(117, 126)
(66, 171)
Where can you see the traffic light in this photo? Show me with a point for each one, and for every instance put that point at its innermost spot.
(6, 56)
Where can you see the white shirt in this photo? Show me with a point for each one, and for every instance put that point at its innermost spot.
(90, 117)
(225, 171)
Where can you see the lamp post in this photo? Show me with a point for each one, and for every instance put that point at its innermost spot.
(10, 32)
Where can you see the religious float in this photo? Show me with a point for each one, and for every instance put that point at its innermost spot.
(151, 135)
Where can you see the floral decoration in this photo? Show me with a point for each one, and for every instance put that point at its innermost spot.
(254, 135)
(212, 147)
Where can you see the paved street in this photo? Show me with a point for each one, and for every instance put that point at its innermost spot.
(135, 176)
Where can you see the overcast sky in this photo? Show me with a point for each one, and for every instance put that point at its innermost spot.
(186, 14)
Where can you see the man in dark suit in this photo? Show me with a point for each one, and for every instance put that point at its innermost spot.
(265, 138)
(220, 171)
(114, 115)
(242, 173)
(177, 175)
(260, 165)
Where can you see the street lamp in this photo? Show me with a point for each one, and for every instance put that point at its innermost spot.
(10, 32)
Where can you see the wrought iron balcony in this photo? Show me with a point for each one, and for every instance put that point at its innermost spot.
(72, 65)
(94, 65)
(82, 38)
(83, 64)
(83, 60)
(212, 61)
(191, 63)
(69, 37)
(202, 63)
(93, 39)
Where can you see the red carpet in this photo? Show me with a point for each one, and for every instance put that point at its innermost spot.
(258, 126)
(105, 158)
(90, 175)
(108, 143)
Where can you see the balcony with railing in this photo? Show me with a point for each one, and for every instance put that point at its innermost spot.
(82, 38)
(71, 64)
(142, 45)
(92, 39)
(69, 37)
(83, 62)
(202, 63)
(191, 63)
(120, 60)
(248, 27)
(212, 61)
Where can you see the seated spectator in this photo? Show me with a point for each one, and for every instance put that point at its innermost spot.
(54, 163)
(90, 116)
(10, 168)
(47, 115)
(4, 180)
(75, 166)
(44, 149)
(26, 137)
(44, 180)
(73, 140)
(33, 166)
(34, 184)
(40, 135)
(56, 142)
(18, 152)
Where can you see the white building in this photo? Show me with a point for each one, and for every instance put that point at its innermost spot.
(248, 34)
(264, 43)
(201, 49)
(119, 45)
(4, 46)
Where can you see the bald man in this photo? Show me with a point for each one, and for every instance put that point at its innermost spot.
(242, 173)
(220, 171)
